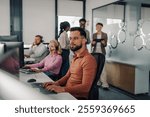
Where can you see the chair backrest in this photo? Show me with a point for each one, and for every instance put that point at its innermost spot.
(94, 92)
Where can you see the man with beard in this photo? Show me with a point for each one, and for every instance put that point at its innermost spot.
(38, 50)
(82, 23)
(82, 71)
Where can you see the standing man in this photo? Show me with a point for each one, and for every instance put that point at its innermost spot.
(82, 23)
(99, 43)
(38, 50)
(82, 71)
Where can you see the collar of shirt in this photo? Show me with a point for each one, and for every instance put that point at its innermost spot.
(55, 54)
(40, 44)
(81, 55)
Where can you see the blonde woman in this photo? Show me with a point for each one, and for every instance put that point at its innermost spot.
(51, 64)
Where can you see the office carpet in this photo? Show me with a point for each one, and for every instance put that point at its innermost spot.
(117, 94)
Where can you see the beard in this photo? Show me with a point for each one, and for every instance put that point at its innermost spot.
(77, 47)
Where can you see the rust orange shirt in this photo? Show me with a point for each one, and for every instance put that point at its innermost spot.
(80, 76)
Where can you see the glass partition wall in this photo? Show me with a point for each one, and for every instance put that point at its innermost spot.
(125, 19)
(113, 18)
(127, 24)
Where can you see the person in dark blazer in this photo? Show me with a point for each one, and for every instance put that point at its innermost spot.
(99, 39)
(99, 42)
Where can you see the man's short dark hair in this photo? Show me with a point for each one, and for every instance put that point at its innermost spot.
(41, 37)
(82, 20)
(82, 32)
(100, 24)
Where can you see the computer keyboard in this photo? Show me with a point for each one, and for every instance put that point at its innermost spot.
(27, 71)
(42, 89)
(36, 85)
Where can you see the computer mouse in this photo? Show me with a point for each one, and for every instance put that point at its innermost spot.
(31, 80)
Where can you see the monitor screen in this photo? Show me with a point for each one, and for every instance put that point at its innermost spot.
(13, 57)
(9, 62)
(10, 85)
(11, 45)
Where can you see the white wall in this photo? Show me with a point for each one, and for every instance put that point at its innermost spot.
(38, 18)
(4, 17)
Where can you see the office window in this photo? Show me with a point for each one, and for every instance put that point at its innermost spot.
(72, 12)
(73, 20)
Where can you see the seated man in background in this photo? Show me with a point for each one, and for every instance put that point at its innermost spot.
(38, 50)
(82, 71)
(51, 64)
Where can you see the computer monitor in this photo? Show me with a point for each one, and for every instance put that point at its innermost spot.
(2, 48)
(10, 85)
(11, 45)
(9, 62)
(13, 89)
(9, 38)
(13, 58)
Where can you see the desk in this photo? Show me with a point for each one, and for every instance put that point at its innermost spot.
(41, 77)
(129, 77)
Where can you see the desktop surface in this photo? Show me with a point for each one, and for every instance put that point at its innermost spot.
(40, 79)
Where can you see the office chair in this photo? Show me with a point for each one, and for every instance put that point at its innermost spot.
(94, 92)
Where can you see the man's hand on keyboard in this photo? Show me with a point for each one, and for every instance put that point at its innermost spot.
(55, 88)
(50, 83)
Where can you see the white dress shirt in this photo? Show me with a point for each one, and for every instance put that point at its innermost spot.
(37, 51)
(64, 40)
